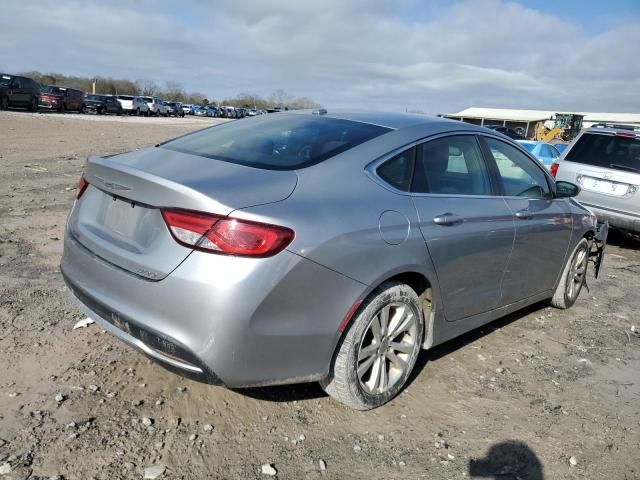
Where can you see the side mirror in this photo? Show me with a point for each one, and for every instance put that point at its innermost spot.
(566, 189)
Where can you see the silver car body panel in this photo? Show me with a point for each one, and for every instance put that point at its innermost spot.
(255, 321)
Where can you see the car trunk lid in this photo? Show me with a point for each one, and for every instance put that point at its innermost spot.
(119, 217)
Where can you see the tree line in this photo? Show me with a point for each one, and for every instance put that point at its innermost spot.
(171, 91)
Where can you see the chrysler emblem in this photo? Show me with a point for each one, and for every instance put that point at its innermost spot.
(112, 185)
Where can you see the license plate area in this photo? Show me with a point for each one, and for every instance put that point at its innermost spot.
(122, 217)
(607, 187)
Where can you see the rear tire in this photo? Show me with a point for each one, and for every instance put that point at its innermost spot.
(573, 277)
(62, 109)
(33, 105)
(379, 348)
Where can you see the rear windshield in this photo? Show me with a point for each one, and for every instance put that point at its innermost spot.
(277, 142)
(147, 99)
(97, 98)
(608, 151)
(125, 97)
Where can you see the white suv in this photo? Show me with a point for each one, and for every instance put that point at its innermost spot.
(605, 161)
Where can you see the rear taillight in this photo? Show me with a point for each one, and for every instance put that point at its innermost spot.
(82, 186)
(553, 170)
(225, 235)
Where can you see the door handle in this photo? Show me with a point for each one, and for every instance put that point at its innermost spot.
(524, 215)
(447, 219)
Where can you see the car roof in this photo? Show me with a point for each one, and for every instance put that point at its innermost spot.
(613, 129)
(391, 120)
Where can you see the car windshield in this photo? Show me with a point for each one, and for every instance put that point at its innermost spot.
(609, 151)
(277, 142)
(529, 146)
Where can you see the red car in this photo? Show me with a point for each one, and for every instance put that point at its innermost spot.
(62, 99)
(49, 100)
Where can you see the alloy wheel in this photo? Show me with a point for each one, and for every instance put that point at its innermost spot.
(577, 274)
(387, 347)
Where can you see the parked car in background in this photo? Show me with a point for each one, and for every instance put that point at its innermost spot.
(561, 147)
(509, 132)
(186, 109)
(16, 91)
(605, 161)
(127, 103)
(140, 107)
(353, 240)
(71, 99)
(175, 109)
(49, 100)
(102, 104)
(544, 152)
(201, 112)
(156, 106)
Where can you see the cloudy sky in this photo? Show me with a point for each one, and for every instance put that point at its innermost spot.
(433, 56)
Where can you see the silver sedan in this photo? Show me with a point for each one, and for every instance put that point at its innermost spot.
(320, 246)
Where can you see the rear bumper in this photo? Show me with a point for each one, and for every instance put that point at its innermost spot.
(222, 320)
(615, 218)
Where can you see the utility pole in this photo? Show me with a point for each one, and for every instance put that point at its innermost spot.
(93, 86)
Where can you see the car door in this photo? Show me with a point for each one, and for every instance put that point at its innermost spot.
(467, 227)
(543, 224)
(112, 105)
(16, 94)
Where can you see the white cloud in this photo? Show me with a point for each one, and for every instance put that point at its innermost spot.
(366, 54)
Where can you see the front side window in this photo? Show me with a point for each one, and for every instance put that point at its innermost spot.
(277, 142)
(451, 165)
(521, 176)
(398, 170)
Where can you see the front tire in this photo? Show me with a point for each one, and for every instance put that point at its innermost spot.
(33, 105)
(379, 348)
(573, 278)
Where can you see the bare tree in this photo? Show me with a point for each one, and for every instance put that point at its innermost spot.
(148, 88)
(174, 91)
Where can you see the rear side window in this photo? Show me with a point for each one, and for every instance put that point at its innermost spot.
(608, 151)
(521, 176)
(277, 142)
(451, 165)
(398, 170)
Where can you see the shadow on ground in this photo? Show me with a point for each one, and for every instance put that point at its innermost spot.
(509, 460)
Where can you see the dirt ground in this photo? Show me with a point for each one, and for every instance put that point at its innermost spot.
(541, 394)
